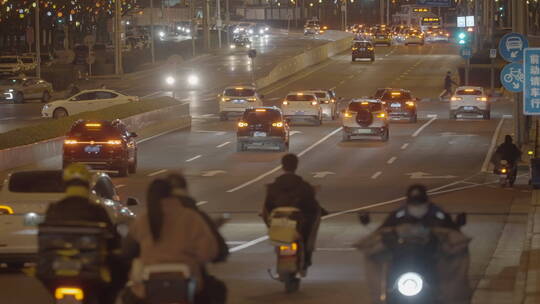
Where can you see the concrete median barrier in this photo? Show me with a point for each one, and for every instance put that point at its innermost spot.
(145, 124)
(302, 61)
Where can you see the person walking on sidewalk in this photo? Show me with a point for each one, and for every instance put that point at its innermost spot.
(448, 82)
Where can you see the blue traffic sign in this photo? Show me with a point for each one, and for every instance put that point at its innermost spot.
(511, 47)
(531, 87)
(512, 77)
(465, 52)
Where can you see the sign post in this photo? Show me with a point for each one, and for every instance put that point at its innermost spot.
(492, 57)
(466, 53)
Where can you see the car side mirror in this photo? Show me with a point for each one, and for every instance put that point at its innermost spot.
(131, 201)
(364, 218)
(133, 134)
(461, 219)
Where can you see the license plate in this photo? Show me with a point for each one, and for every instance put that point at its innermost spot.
(362, 131)
(259, 134)
(32, 219)
(468, 108)
(238, 101)
(92, 149)
(395, 105)
(362, 49)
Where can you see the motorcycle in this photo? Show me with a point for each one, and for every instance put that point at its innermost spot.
(506, 172)
(289, 246)
(409, 263)
(72, 261)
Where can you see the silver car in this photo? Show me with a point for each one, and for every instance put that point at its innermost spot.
(20, 89)
(365, 118)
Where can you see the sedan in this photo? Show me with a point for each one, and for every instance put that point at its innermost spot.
(88, 100)
(20, 89)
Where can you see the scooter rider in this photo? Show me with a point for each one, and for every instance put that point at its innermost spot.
(507, 151)
(168, 232)
(77, 206)
(290, 190)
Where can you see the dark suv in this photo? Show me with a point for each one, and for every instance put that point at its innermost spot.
(363, 49)
(262, 127)
(103, 145)
(400, 104)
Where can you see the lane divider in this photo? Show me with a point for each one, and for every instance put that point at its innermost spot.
(223, 144)
(492, 145)
(415, 134)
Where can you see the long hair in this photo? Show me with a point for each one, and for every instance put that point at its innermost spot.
(157, 191)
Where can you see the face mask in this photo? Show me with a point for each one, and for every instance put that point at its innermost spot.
(417, 211)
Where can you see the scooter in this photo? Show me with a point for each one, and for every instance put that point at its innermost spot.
(507, 174)
(168, 284)
(289, 247)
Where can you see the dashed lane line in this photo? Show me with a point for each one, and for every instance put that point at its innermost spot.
(157, 172)
(391, 160)
(376, 175)
(223, 144)
(404, 146)
(193, 158)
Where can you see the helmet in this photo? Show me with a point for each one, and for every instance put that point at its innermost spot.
(417, 194)
(77, 179)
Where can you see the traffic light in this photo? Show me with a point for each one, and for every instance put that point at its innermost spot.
(463, 38)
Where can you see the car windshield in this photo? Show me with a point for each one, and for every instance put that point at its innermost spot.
(8, 60)
(396, 96)
(260, 116)
(473, 92)
(11, 81)
(300, 97)
(239, 92)
(356, 106)
(94, 131)
(37, 182)
(362, 44)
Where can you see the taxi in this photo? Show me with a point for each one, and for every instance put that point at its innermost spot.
(102, 145)
(302, 106)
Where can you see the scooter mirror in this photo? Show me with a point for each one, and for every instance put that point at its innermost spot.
(364, 218)
(461, 219)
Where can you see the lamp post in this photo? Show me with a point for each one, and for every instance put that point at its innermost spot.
(152, 46)
(38, 41)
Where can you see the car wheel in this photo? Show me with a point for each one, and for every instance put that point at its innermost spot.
(19, 97)
(453, 115)
(123, 170)
(133, 166)
(345, 137)
(223, 116)
(282, 147)
(240, 147)
(46, 97)
(59, 113)
(487, 115)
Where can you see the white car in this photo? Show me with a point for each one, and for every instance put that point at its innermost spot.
(24, 199)
(11, 65)
(235, 100)
(84, 101)
(414, 37)
(470, 100)
(302, 106)
(365, 117)
(329, 103)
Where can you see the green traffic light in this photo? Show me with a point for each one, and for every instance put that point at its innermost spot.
(462, 36)
(461, 41)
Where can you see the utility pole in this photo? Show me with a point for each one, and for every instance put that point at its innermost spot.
(206, 25)
(381, 10)
(388, 12)
(152, 46)
(194, 27)
(38, 41)
(118, 38)
(519, 25)
(218, 21)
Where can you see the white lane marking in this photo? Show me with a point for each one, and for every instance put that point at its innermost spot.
(120, 186)
(431, 115)
(491, 149)
(235, 242)
(202, 203)
(432, 192)
(223, 144)
(404, 146)
(193, 158)
(262, 176)
(151, 94)
(424, 126)
(157, 172)
(391, 160)
(376, 175)
(8, 118)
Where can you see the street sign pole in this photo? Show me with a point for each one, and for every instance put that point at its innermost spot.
(152, 46)
(467, 68)
(38, 42)
(492, 57)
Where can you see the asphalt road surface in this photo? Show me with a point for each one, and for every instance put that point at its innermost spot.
(368, 175)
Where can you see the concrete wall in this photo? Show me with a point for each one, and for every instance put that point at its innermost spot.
(145, 124)
(302, 61)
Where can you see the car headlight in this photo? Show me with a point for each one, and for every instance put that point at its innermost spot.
(261, 31)
(250, 31)
(410, 284)
(11, 90)
(233, 46)
(45, 107)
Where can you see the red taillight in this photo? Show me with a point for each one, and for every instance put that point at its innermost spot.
(70, 142)
(114, 142)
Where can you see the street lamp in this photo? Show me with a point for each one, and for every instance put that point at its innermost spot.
(193, 80)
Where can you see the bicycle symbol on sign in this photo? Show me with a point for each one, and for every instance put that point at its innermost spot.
(515, 75)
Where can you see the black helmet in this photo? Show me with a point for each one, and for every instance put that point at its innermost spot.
(417, 194)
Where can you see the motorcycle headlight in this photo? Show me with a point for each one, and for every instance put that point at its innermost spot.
(410, 284)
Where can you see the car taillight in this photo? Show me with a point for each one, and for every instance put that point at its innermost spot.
(348, 114)
(381, 115)
(69, 292)
(288, 250)
(278, 124)
(114, 142)
(314, 103)
(503, 170)
(354, 48)
(242, 124)
(481, 98)
(332, 100)
(70, 142)
(5, 210)
(455, 98)
(251, 99)
(410, 103)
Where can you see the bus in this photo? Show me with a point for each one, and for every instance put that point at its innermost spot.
(430, 22)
